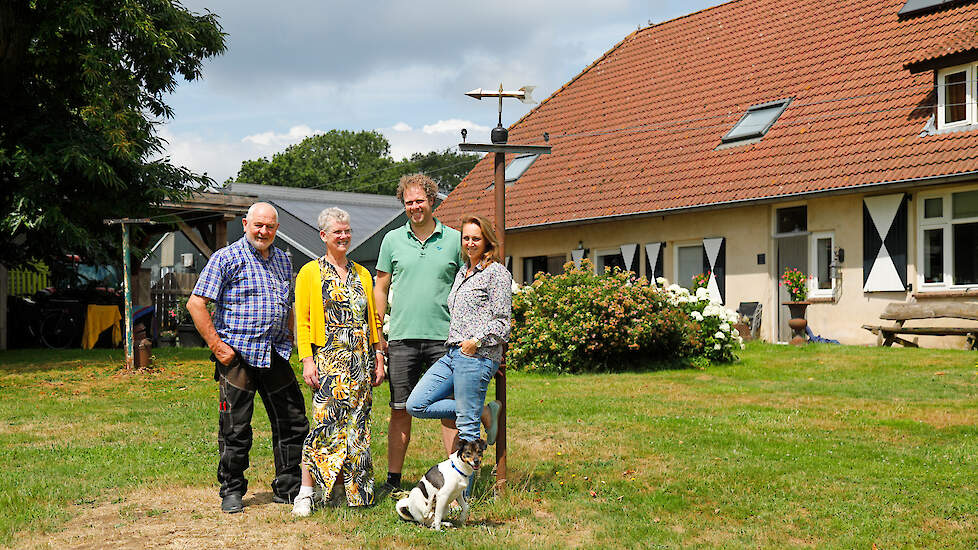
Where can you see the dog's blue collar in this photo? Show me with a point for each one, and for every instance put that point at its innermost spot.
(457, 470)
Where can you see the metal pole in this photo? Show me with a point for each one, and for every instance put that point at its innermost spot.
(499, 174)
(127, 286)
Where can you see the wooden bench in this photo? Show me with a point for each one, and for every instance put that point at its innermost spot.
(902, 312)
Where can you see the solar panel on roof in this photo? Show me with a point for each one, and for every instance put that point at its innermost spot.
(756, 121)
(914, 6)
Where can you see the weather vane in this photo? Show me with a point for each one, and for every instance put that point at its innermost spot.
(524, 94)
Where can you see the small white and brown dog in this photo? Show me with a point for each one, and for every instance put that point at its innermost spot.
(444, 482)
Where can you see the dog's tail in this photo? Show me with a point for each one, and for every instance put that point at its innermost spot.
(402, 510)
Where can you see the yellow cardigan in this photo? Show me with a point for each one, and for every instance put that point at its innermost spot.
(309, 314)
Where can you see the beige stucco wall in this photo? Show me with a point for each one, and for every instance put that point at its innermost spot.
(748, 232)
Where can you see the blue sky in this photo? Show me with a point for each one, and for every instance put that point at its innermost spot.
(399, 67)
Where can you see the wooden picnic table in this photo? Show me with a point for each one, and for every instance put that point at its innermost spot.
(901, 312)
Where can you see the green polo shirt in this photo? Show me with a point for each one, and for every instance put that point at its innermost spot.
(422, 275)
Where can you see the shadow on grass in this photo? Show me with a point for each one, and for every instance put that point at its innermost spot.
(518, 481)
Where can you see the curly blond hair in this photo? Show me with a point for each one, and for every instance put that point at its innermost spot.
(422, 181)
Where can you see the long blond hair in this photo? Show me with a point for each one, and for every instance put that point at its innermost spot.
(488, 234)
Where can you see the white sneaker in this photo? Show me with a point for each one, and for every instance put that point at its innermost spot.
(302, 507)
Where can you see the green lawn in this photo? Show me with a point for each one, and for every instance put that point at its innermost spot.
(823, 446)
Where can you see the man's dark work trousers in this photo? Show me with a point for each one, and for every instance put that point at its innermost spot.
(286, 409)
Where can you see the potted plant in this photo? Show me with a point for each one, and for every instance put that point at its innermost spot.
(796, 283)
(187, 335)
(167, 338)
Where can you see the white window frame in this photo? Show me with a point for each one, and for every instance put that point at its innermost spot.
(946, 223)
(774, 219)
(675, 258)
(599, 263)
(971, 95)
(813, 290)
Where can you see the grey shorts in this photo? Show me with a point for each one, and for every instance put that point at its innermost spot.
(408, 359)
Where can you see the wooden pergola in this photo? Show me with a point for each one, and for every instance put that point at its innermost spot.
(203, 218)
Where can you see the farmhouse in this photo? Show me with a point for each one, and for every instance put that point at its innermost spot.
(839, 137)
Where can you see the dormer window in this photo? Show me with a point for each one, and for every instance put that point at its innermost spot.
(915, 7)
(956, 96)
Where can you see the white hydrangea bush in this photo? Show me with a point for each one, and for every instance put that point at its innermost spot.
(720, 339)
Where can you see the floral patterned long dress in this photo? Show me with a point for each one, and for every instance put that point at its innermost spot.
(339, 441)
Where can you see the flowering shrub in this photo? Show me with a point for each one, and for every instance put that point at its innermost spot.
(578, 321)
(796, 283)
(179, 315)
(717, 338)
(701, 281)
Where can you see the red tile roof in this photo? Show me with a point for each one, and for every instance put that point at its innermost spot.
(638, 130)
(962, 37)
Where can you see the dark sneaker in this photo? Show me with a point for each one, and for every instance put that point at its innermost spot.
(383, 491)
(279, 499)
(231, 504)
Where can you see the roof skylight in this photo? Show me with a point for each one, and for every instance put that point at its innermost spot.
(518, 166)
(756, 121)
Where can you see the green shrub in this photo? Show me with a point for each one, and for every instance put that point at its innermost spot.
(578, 321)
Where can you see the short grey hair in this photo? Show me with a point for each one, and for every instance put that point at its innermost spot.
(332, 215)
(258, 205)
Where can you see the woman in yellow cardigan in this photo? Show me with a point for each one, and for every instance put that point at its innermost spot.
(336, 328)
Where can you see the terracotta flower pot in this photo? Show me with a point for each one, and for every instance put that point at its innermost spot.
(798, 323)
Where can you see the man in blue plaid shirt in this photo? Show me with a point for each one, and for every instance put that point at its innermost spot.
(251, 339)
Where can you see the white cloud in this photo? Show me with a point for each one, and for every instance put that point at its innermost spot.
(453, 126)
(294, 135)
(218, 159)
(438, 136)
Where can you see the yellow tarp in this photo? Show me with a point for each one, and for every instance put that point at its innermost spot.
(98, 319)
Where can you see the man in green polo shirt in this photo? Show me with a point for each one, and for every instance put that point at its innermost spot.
(417, 265)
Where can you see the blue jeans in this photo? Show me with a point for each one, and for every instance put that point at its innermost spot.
(462, 375)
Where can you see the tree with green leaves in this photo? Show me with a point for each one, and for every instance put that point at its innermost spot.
(343, 160)
(339, 160)
(446, 167)
(83, 85)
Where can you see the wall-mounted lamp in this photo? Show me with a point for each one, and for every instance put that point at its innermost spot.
(836, 267)
(578, 254)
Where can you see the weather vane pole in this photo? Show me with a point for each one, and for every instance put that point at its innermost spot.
(525, 94)
(499, 136)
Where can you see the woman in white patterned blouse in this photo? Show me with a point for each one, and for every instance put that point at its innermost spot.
(480, 304)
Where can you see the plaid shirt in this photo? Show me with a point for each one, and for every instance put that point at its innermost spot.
(253, 303)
